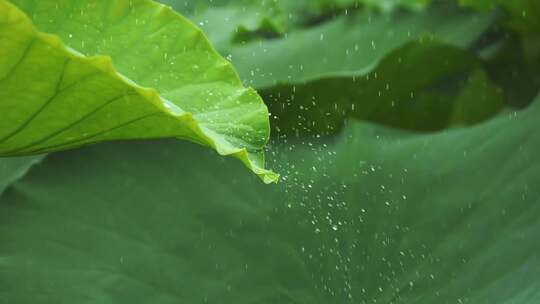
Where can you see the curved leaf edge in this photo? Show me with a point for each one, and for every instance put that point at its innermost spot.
(20, 174)
(254, 160)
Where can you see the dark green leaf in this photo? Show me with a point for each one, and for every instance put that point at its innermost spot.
(380, 216)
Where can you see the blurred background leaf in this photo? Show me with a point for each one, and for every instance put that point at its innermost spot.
(13, 169)
(524, 15)
(379, 61)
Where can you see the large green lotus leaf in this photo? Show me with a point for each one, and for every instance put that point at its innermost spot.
(421, 222)
(374, 216)
(164, 80)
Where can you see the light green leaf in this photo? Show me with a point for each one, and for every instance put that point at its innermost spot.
(377, 216)
(119, 70)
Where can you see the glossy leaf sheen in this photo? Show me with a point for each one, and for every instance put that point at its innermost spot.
(160, 78)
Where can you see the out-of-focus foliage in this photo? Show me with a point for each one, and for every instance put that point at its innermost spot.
(363, 73)
(229, 21)
(368, 40)
(405, 133)
(524, 14)
(342, 58)
(516, 61)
